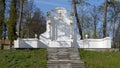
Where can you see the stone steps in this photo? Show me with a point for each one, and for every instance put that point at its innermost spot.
(64, 58)
(65, 64)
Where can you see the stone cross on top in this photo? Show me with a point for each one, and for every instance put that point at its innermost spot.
(60, 11)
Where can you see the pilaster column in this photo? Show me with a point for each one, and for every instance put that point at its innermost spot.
(71, 29)
(49, 29)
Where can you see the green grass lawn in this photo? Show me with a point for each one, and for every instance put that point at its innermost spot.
(38, 58)
(23, 58)
(100, 59)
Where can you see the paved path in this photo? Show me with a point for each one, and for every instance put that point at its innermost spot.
(64, 58)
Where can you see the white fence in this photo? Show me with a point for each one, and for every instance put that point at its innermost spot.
(94, 43)
(86, 43)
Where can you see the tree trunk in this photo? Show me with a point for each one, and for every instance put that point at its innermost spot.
(77, 19)
(12, 22)
(105, 18)
(95, 31)
(2, 11)
(20, 18)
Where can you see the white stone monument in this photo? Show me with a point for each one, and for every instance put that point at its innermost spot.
(59, 29)
(60, 32)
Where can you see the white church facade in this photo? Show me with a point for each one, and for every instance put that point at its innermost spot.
(60, 32)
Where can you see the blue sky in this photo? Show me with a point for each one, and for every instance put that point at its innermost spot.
(48, 5)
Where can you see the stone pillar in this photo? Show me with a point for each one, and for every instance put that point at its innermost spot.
(48, 27)
(108, 43)
(71, 30)
(49, 31)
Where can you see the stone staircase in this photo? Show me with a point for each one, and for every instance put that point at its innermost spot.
(64, 58)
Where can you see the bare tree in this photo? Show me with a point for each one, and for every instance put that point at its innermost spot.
(20, 18)
(74, 2)
(2, 11)
(12, 23)
(36, 25)
(105, 18)
(95, 18)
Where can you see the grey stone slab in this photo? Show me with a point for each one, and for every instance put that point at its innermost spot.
(68, 65)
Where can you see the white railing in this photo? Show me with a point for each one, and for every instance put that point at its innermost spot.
(86, 43)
